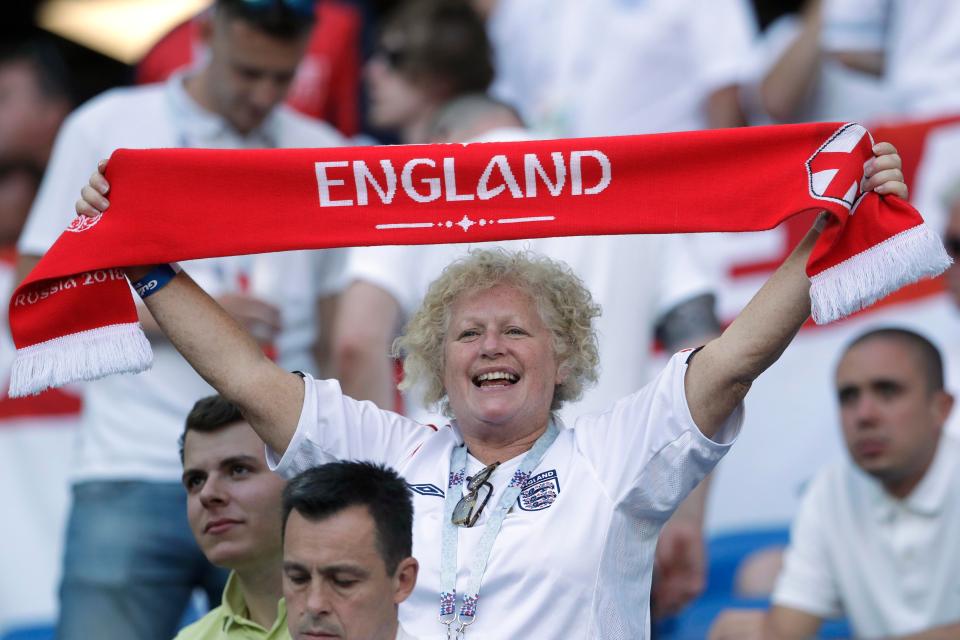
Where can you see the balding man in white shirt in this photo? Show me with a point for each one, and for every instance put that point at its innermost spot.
(875, 540)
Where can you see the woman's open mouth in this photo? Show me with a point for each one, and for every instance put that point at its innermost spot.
(495, 379)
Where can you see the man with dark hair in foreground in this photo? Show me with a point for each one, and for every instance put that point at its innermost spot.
(348, 539)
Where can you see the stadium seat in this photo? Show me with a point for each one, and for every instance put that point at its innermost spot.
(725, 553)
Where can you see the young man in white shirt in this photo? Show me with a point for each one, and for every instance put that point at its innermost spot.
(874, 540)
(131, 562)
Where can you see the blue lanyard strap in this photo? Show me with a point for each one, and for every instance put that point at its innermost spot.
(448, 562)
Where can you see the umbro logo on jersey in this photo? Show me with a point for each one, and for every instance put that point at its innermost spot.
(540, 491)
(427, 490)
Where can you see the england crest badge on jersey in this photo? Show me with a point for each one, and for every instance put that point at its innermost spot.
(540, 491)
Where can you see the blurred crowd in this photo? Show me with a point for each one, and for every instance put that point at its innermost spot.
(850, 443)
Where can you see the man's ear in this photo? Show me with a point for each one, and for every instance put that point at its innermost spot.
(405, 579)
(943, 404)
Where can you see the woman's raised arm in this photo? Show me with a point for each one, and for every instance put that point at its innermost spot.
(720, 375)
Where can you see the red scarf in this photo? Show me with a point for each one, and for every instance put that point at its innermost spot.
(74, 318)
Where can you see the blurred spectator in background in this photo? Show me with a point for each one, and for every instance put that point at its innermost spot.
(35, 432)
(873, 539)
(857, 60)
(34, 99)
(427, 52)
(327, 83)
(791, 78)
(347, 563)
(477, 117)
(674, 304)
(234, 507)
(18, 186)
(912, 46)
(951, 341)
(607, 67)
(131, 562)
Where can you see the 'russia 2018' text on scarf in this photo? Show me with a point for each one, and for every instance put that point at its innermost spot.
(73, 317)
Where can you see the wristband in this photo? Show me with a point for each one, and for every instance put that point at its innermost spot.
(157, 278)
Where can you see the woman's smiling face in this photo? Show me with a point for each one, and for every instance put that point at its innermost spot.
(500, 369)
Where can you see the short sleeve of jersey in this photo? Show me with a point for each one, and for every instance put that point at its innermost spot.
(333, 426)
(646, 450)
(806, 582)
(724, 31)
(854, 25)
(73, 159)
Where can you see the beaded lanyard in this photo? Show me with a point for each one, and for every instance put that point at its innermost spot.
(448, 564)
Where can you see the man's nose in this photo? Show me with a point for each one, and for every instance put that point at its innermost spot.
(318, 598)
(866, 410)
(267, 93)
(374, 69)
(212, 492)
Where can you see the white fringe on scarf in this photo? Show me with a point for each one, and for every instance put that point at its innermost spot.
(88, 355)
(860, 281)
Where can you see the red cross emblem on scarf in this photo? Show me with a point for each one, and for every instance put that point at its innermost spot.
(831, 174)
(82, 223)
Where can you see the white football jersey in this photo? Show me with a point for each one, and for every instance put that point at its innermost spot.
(574, 557)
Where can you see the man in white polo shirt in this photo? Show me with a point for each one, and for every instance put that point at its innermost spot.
(875, 540)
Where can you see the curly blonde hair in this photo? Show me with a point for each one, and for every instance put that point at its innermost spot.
(564, 303)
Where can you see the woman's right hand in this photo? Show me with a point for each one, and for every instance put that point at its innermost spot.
(258, 317)
(93, 199)
(93, 202)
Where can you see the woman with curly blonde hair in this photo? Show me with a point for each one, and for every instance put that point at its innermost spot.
(523, 528)
(563, 302)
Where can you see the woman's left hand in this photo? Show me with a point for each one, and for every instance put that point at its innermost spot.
(884, 172)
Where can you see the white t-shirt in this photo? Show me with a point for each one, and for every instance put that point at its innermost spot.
(575, 567)
(634, 279)
(889, 565)
(920, 45)
(607, 67)
(130, 424)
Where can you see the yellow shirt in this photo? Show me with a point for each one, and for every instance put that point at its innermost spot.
(229, 621)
